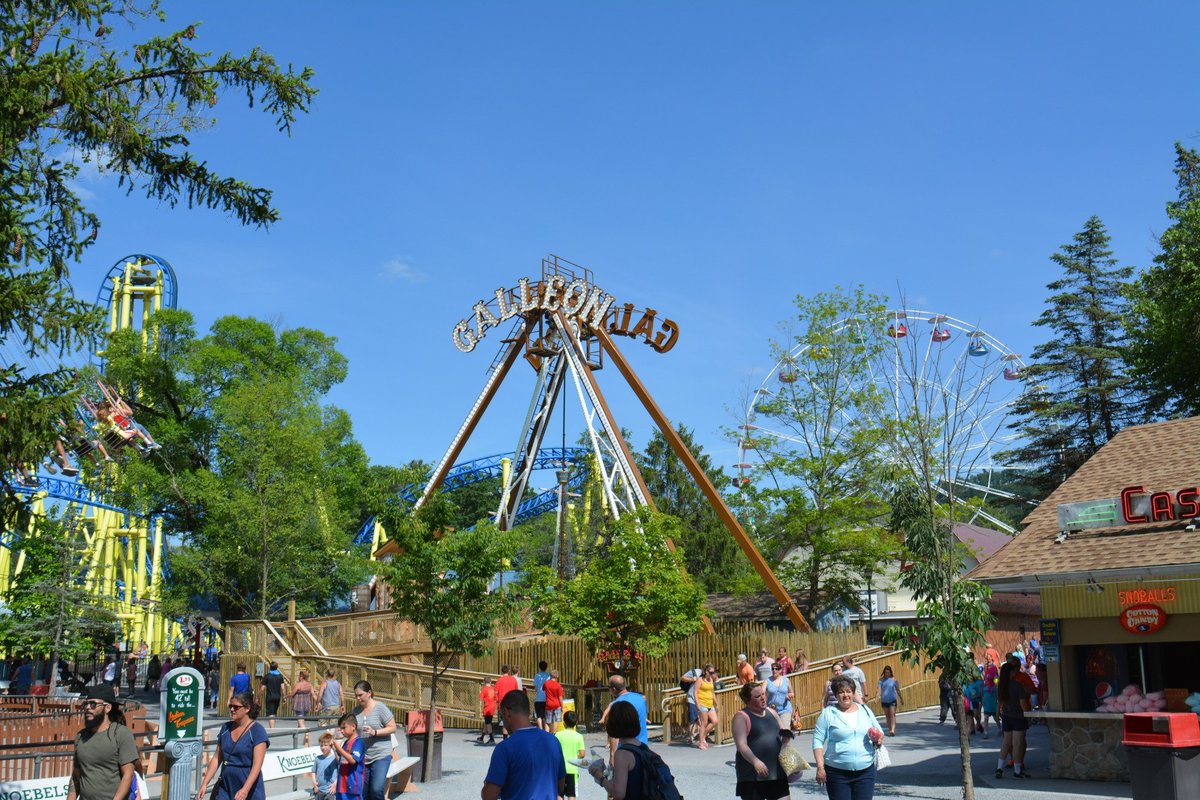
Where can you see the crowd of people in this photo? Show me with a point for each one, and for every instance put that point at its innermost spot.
(129, 673)
(1005, 688)
(701, 685)
(539, 751)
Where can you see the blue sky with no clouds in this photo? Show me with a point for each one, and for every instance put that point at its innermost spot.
(709, 160)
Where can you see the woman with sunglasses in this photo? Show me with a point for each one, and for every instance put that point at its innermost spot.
(376, 724)
(780, 695)
(706, 703)
(241, 748)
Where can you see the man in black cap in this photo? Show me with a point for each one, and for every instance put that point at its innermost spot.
(105, 752)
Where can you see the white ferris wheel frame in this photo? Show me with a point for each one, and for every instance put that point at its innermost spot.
(984, 424)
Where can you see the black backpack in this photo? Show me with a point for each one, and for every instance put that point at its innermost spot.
(657, 781)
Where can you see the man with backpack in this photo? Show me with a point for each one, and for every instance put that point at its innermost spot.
(687, 682)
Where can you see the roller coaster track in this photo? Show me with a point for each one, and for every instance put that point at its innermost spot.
(490, 467)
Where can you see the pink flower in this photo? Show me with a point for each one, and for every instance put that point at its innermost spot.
(876, 736)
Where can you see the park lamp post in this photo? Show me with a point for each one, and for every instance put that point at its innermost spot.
(563, 477)
(870, 605)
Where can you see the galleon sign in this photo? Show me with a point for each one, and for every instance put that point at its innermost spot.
(584, 305)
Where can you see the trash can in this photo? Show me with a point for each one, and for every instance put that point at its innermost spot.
(416, 728)
(1164, 755)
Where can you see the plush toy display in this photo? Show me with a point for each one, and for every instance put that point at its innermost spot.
(1193, 701)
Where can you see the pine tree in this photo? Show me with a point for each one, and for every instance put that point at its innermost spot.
(74, 92)
(1079, 393)
(1165, 325)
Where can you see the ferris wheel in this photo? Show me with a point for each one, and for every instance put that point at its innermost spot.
(955, 378)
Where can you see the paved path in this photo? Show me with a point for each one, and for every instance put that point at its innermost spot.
(924, 755)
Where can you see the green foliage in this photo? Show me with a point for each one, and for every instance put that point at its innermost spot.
(710, 553)
(70, 96)
(48, 608)
(952, 613)
(1163, 332)
(632, 596)
(1081, 395)
(440, 579)
(262, 485)
(814, 506)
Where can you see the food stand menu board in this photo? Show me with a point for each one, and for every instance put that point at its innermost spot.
(1050, 639)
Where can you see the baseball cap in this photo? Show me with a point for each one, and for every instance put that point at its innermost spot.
(104, 693)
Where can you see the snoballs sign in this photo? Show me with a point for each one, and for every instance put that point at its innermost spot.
(583, 304)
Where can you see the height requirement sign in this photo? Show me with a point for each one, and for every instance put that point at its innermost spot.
(182, 704)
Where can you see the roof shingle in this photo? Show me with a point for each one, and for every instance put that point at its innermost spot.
(1163, 456)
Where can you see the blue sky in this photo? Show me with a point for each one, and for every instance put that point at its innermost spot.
(709, 160)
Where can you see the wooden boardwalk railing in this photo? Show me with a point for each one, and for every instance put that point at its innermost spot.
(402, 681)
(918, 688)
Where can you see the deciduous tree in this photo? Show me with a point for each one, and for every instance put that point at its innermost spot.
(953, 613)
(815, 504)
(261, 483)
(633, 597)
(441, 581)
(48, 607)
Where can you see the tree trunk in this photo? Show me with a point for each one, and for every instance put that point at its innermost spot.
(427, 750)
(964, 742)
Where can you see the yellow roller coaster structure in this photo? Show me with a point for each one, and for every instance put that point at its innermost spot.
(123, 562)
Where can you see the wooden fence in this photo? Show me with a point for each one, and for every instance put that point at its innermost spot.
(917, 687)
(42, 745)
(402, 681)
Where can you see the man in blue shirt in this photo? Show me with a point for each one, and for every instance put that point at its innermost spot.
(621, 694)
(539, 699)
(529, 764)
(238, 682)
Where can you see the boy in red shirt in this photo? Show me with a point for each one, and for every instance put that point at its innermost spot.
(554, 698)
(487, 696)
(505, 684)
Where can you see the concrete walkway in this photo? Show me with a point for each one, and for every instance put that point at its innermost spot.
(925, 764)
(924, 754)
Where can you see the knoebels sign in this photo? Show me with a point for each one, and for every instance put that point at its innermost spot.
(584, 305)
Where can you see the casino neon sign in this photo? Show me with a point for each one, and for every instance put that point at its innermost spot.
(1139, 506)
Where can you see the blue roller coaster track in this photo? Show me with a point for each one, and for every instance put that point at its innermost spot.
(170, 292)
(482, 469)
